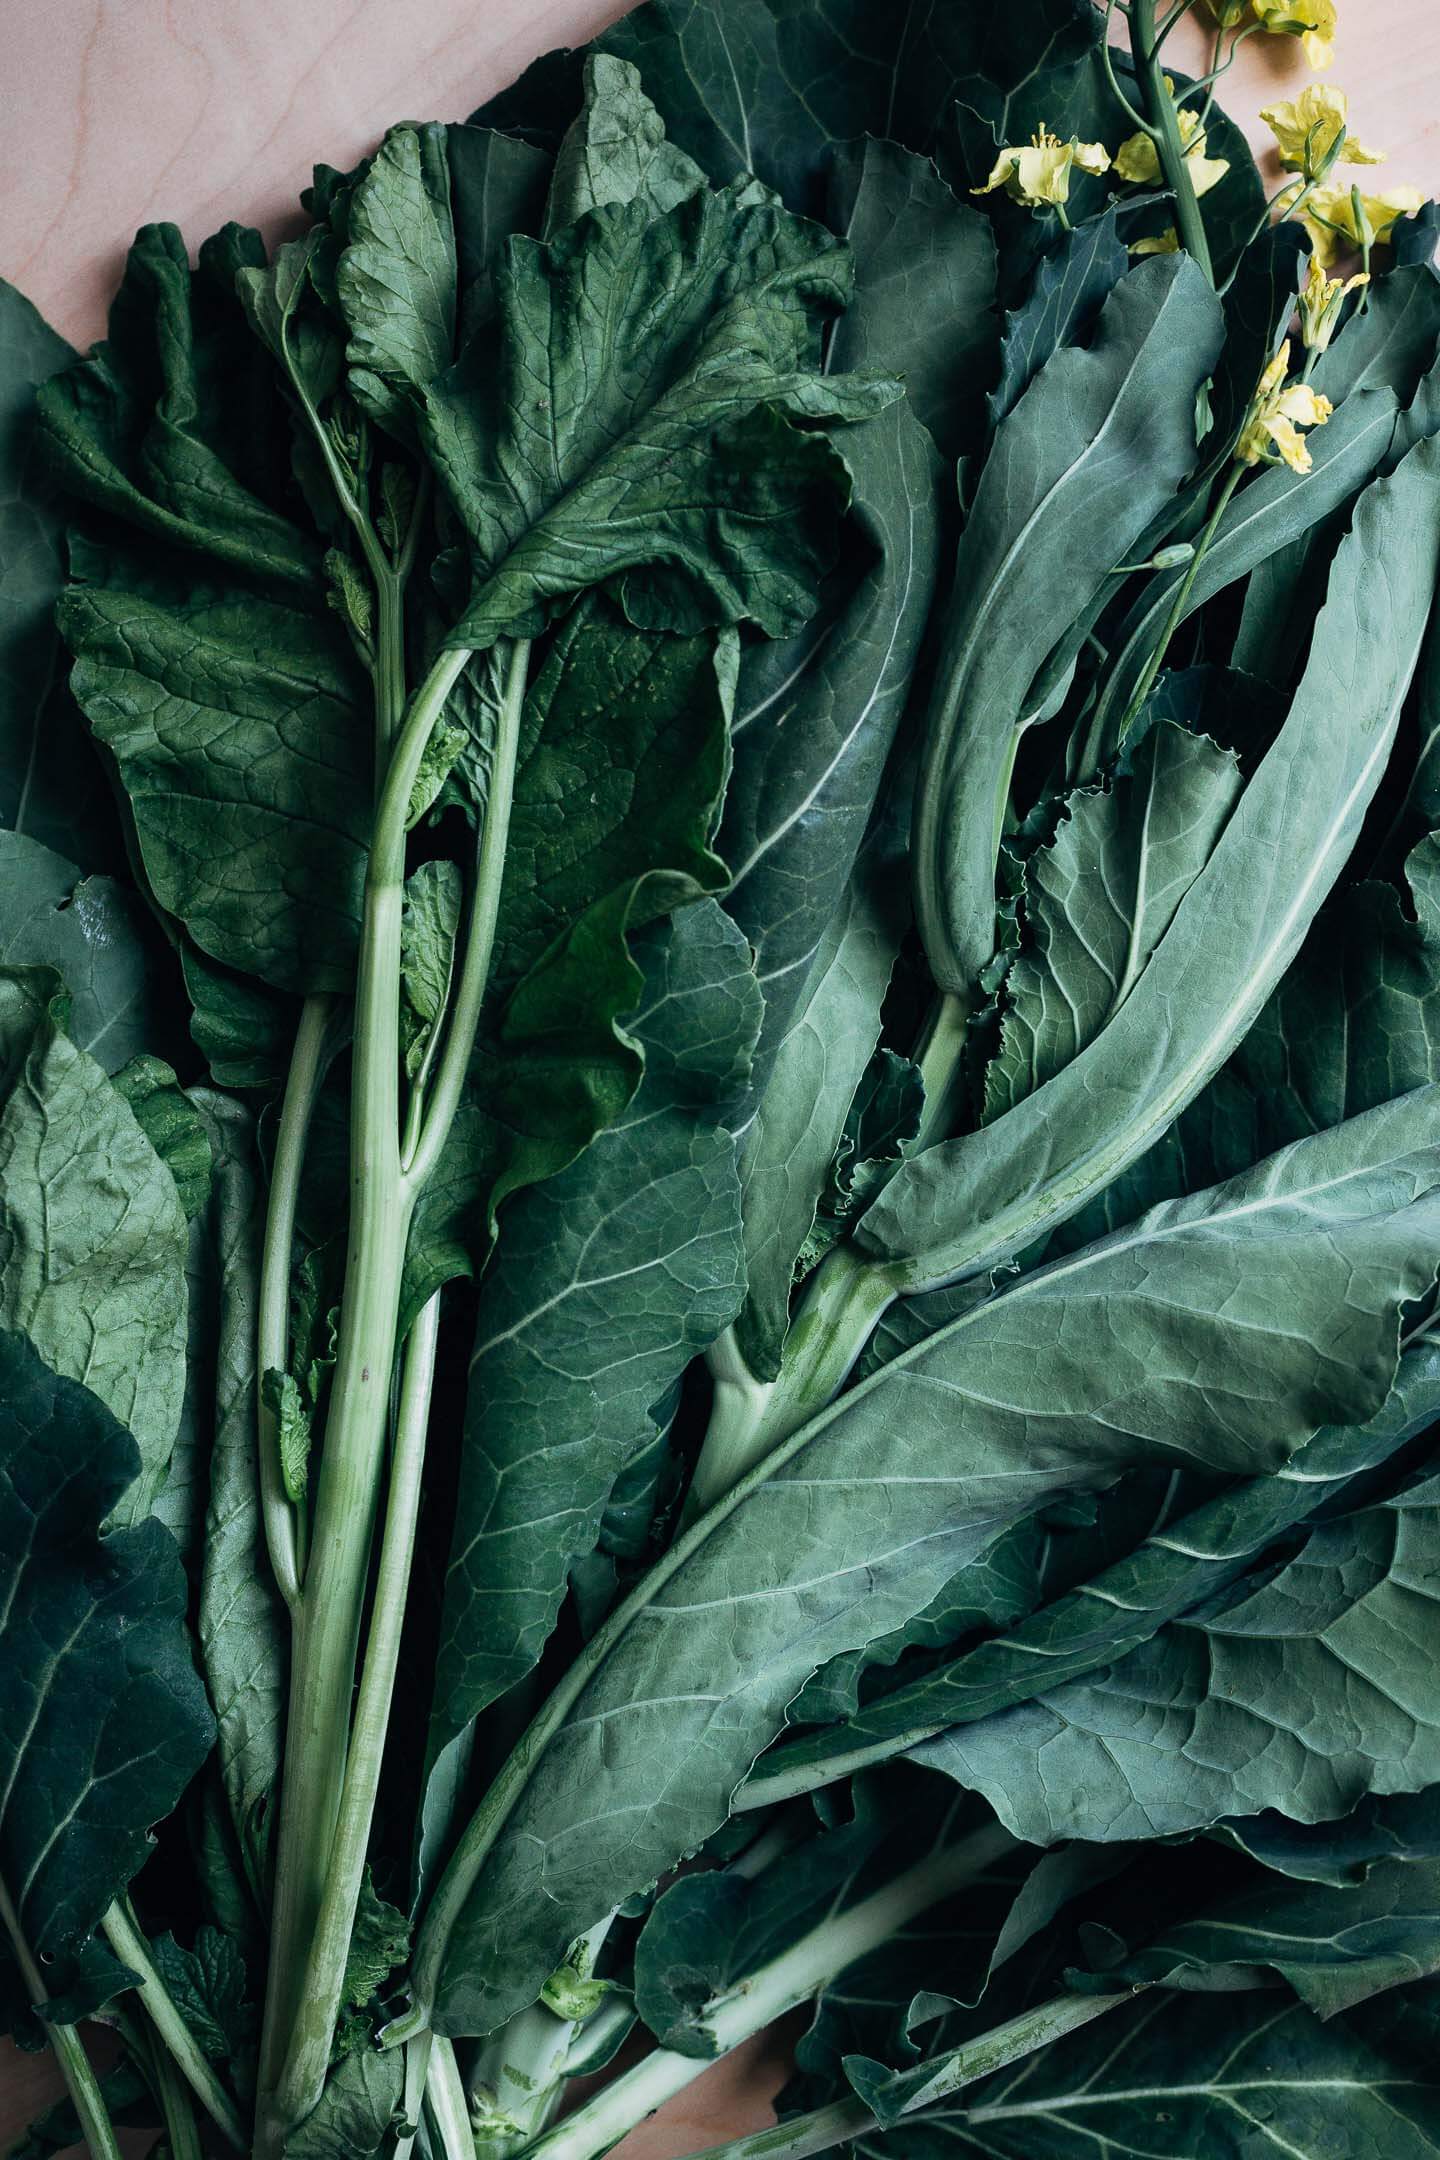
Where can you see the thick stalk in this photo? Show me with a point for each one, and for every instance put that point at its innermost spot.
(328, 1621)
(283, 1518)
(75, 2067)
(519, 2079)
(132, 1949)
(1160, 110)
(1011, 2042)
(319, 1997)
(835, 1320)
(792, 1978)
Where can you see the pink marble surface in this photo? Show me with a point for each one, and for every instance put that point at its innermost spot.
(115, 112)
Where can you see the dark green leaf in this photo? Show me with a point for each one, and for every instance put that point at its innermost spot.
(616, 151)
(397, 278)
(1070, 287)
(96, 935)
(207, 1986)
(172, 1125)
(92, 1235)
(361, 2101)
(104, 1719)
(1161, 1345)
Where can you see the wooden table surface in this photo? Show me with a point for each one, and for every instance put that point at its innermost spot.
(115, 112)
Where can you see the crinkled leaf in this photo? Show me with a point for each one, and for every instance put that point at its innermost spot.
(207, 1985)
(428, 928)
(396, 280)
(172, 1125)
(662, 461)
(361, 2102)
(616, 151)
(92, 1234)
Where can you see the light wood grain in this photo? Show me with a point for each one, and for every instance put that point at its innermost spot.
(116, 112)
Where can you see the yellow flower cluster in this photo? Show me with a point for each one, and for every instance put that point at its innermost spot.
(1312, 134)
(1321, 299)
(1312, 21)
(1037, 173)
(1278, 410)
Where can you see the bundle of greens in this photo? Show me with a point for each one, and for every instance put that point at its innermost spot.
(720, 1027)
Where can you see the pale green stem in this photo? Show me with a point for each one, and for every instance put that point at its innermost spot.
(1176, 616)
(417, 2071)
(283, 1519)
(835, 1320)
(328, 1621)
(942, 1069)
(1160, 107)
(75, 2067)
(319, 2002)
(445, 2105)
(830, 2126)
(790, 1979)
(519, 2079)
(132, 1949)
(182, 2132)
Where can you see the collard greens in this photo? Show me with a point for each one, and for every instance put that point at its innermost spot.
(720, 1120)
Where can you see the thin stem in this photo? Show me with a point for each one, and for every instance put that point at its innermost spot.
(835, 1320)
(304, 2072)
(1180, 9)
(389, 677)
(283, 1518)
(792, 1978)
(1107, 61)
(132, 1949)
(445, 2105)
(81, 2082)
(417, 2071)
(480, 942)
(1145, 48)
(328, 1622)
(1148, 674)
(941, 1058)
(829, 2126)
(181, 2129)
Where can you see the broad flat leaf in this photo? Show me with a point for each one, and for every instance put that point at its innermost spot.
(622, 763)
(667, 464)
(816, 716)
(925, 288)
(968, 1203)
(96, 935)
(165, 427)
(244, 1031)
(1100, 897)
(1177, 1568)
(396, 281)
(104, 1721)
(616, 151)
(818, 1065)
(1275, 509)
(1385, 1826)
(1163, 1344)
(92, 1235)
(1092, 452)
(243, 1629)
(498, 186)
(238, 727)
(1220, 2076)
(52, 787)
(1301, 1693)
(616, 1272)
(1066, 295)
(1334, 1948)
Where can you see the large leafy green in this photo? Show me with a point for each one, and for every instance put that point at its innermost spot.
(95, 934)
(92, 1235)
(397, 278)
(1166, 1342)
(660, 459)
(1089, 455)
(1178, 1567)
(242, 1625)
(1301, 1692)
(969, 1202)
(104, 1718)
(1217, 2076)
(237, 724)
(616, 1272)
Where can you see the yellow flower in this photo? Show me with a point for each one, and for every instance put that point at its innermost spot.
(1329, 217)
(1162, 243)
(1228, 13)
(1138, 160)
(1312, 21)
(1271, 434)
(1038, 172)
(1309, 131)
(1321, 299)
